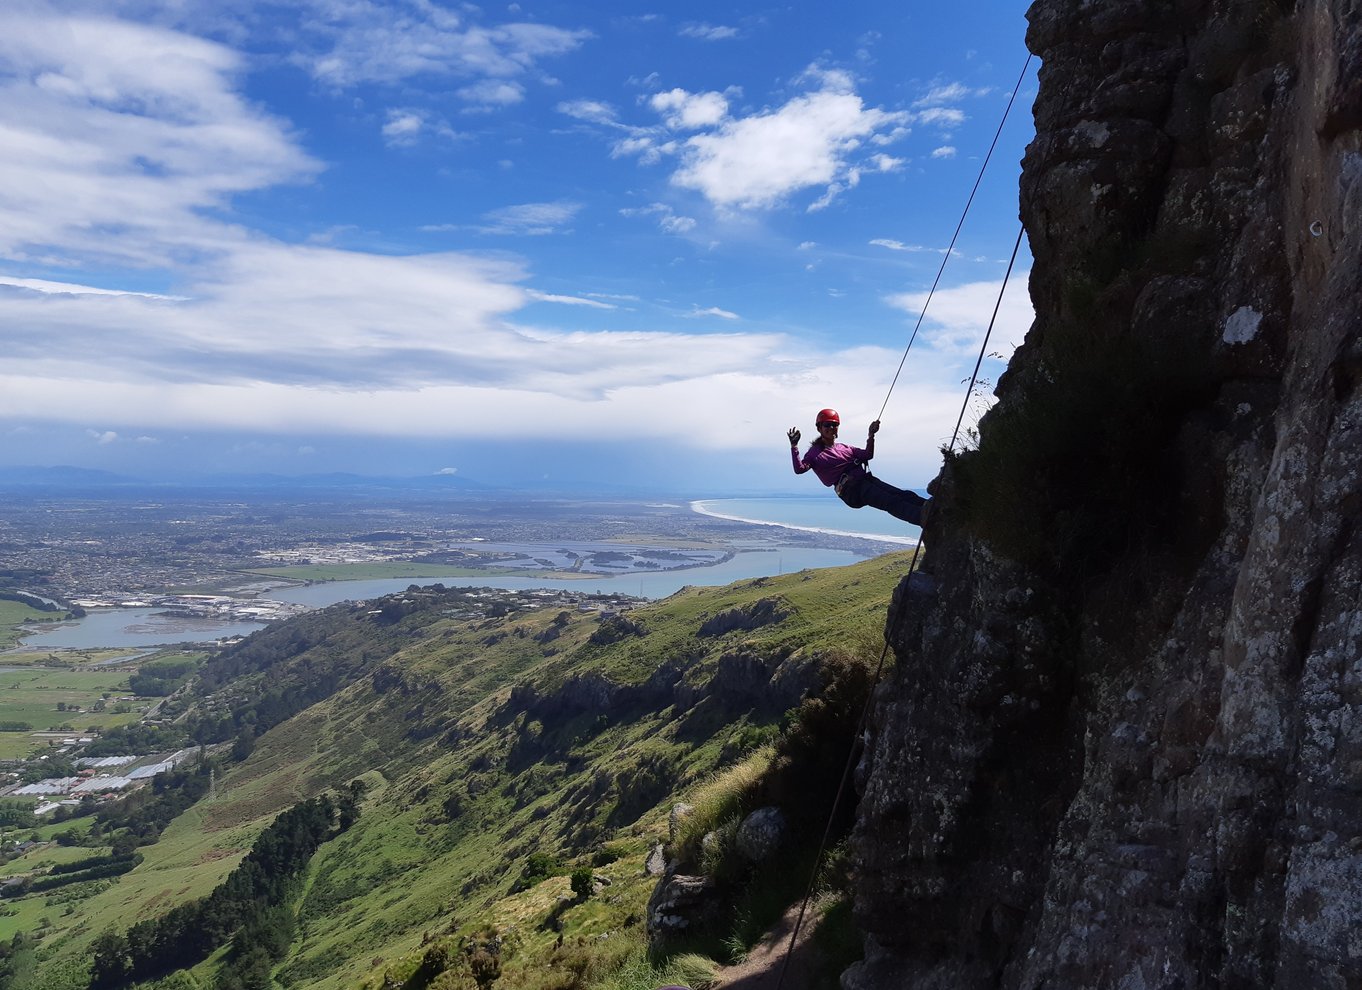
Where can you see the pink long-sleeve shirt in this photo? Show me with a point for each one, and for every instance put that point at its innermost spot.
(830, 463)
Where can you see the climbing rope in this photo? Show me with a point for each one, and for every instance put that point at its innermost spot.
(912, 565)
(879, 667)
(983, 348)
(951, 248)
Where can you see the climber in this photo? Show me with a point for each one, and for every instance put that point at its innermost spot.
(842, 468)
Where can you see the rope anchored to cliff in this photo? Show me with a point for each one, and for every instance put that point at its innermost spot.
(950, 249)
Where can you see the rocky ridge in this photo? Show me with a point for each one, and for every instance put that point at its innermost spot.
(1122, 744)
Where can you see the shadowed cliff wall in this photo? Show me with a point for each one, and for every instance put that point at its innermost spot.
(1122, 743)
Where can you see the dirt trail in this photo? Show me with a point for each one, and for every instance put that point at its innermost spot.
(762, 967)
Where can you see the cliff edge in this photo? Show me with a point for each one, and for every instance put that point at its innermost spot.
(1122, 743)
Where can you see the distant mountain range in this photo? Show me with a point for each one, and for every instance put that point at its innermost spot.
(76, 480)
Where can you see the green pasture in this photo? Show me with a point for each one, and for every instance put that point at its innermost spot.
(49, 829)
(31, 694)
(25, 657)
(17, 745)
(25, 915)
(171, 656)
(186, 864)
(41, 859)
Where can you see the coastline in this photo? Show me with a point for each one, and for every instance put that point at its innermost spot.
(702, 508)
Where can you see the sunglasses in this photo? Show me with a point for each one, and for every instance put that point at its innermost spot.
(827, 426)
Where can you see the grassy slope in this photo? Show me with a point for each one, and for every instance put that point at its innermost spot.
(463, 788)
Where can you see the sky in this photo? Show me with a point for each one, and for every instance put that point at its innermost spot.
(537, 244)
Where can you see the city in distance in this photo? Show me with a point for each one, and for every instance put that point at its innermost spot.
(251, 551)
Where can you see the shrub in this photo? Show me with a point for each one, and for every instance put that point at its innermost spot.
(539, 866)
(582, 882)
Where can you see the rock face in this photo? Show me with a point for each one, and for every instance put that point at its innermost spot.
(1122, 745)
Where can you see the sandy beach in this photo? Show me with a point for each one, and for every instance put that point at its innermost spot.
(705, 508)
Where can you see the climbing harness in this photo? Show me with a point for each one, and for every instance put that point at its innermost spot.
(912, 565)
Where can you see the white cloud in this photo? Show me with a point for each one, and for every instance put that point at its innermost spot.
(103, 437)
(533, 219)
(69, 288)
(945, 151)
(722, 314)
(448, 470)
(708, 32)
(945, 117)
(317, 342)
(893, 245)
(667, 219)
(592, 111)
(958, 317)
(403, 127)
(689, 111)
(943, 93)
(650, 151)
(568, 300)
(677, 224)
(491, 93)
(812, 141)
(359, 41)
(120, 137)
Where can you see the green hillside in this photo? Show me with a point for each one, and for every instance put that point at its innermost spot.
(518, 762)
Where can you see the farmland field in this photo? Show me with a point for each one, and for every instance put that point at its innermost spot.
(31, 694)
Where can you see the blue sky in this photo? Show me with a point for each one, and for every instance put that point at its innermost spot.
(541, 243)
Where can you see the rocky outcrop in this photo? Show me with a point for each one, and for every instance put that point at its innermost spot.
(739, 678)
(615, 628)
(679, 903)
(763, 612)
(1122, 745)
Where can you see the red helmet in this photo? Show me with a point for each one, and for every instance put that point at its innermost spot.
(827, 416)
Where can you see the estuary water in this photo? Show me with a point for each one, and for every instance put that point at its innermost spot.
(144, 627)
(746, 563)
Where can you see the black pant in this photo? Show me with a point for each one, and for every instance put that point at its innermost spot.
(871, 491)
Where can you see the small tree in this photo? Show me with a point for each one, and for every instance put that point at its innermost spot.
(582, 882)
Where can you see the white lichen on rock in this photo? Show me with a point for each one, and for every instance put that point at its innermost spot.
(1242, 325)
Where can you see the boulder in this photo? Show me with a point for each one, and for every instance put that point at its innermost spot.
(680, 812)
(761, 834)
(656, 863)
(680, 903)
